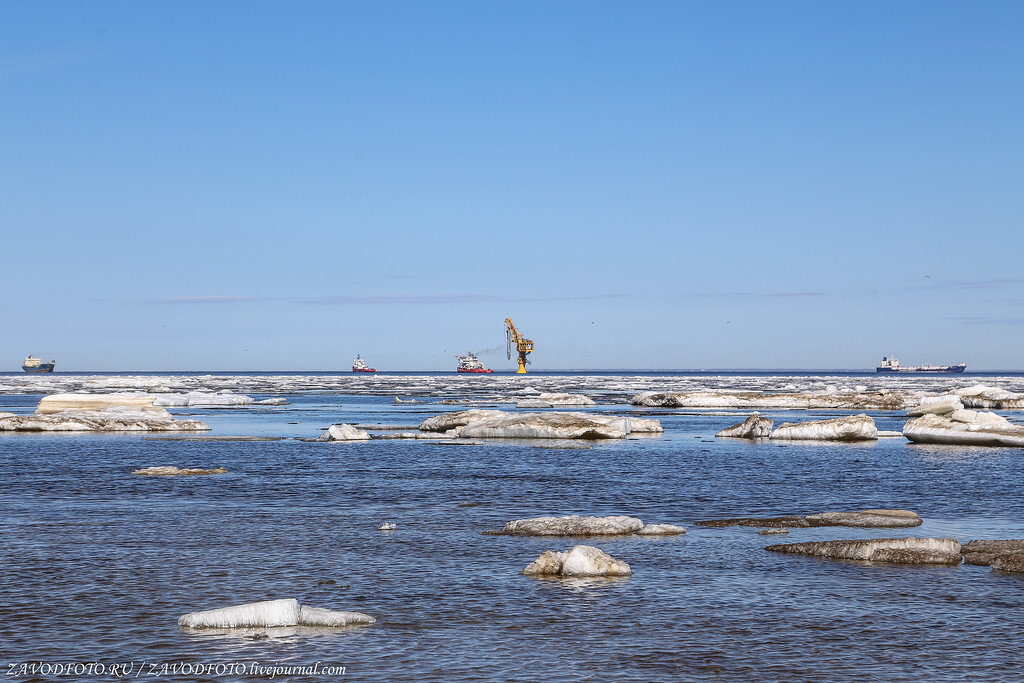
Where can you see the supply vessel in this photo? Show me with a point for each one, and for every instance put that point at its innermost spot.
(469, 363)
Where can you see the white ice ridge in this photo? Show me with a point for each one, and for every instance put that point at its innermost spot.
(476, 423)
(270, 613)
(604, 389)
(112, 419)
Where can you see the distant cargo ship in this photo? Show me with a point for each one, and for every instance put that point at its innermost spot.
(892, 364)
(469, 363)
(359, 365)
(33, 364)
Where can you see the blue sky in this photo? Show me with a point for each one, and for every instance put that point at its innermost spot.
(247, 185)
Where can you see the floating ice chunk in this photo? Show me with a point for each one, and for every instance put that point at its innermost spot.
(986, 429)
(343, 432)
(892, 550)
(772, 531)
(854, 428)
(626, 424)
(937, 405)
(272, 402)
(446, 421)
(754, 427)
(252, 615)
(56, 403)
(532, 403)
(753, 399)
(581, 560)
(662, 530)
(204, 399)
(116, 419)
(983, 396)
(168, 471)
(318, 616)
(540, 426)
(573, 525)
(1009, 562)
(563, 399)
(387, 526)
(983, 552)
(870, 519)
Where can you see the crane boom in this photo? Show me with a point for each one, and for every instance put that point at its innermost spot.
(521, 344)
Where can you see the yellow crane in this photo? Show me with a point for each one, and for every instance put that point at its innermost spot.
(521, 344)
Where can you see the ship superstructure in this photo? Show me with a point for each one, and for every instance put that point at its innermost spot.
(359, 365)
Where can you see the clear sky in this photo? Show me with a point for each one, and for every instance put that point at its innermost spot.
(282, 185)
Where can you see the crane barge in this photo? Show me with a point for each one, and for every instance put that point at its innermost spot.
(522, 345)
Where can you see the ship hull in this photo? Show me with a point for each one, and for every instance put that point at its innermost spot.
(945, 369)
(479, 371)
(364, 369)
(38, 369)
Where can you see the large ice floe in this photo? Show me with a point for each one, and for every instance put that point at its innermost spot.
(604, 388)
(754, 427)
(497, 424)
(575, 525)
(543, 426)
(881, 400)
(114, 419)
(912, 550)
(170, 471)
(966, 428)
(852, 428)
(983, 552)
(270, 613)
(581, 560)
(195, 399)
(868, 519)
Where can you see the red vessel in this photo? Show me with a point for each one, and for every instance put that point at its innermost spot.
(469, 363)
(359, 365)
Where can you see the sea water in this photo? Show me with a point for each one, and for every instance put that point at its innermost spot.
(98, 564)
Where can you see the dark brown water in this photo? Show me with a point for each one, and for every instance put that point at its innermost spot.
(96, 564)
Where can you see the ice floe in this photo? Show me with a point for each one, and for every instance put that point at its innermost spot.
(461, 418)
(754, 427)
(747, 399)
(982, 552)
(344, 432)
(965, 427)
(581, 560)
(270, 613)
(541, 426)
(56, 403)
(984, 396)
(944, 551)
(576, 525)
(868, 519)
(169, 471)
(1009, 562)
(853, 428)
(116, 419)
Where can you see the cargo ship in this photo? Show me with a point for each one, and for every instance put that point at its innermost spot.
(33, 364)
(359, 365)
(469, 363)
(892, 364)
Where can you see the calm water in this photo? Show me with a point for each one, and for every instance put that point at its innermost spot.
(98, 564)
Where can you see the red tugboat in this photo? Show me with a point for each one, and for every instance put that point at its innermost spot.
(359, 365)
(469, 363)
